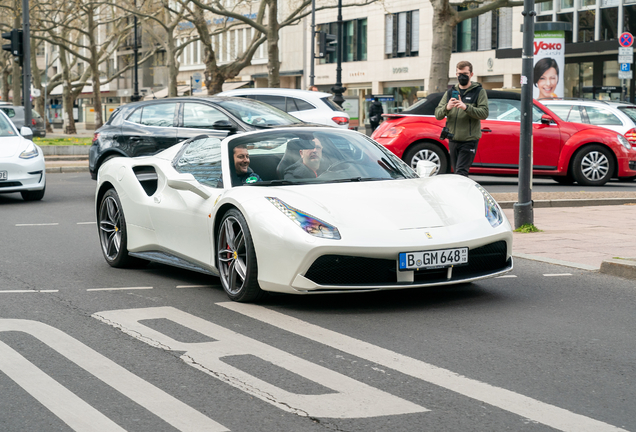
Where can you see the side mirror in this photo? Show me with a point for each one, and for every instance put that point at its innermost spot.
(189, 183)
(26, 132)
(224, 125)
(426, 168)
(546, 119)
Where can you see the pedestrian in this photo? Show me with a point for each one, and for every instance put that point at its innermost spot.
(464, 105)
(375, 114)
(313, 88)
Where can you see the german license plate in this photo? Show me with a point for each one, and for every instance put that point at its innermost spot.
(4, 175)
(439, 258)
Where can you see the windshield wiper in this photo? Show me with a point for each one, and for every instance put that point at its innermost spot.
(358, 179)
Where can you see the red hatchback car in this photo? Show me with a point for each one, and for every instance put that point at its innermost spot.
(567, 152)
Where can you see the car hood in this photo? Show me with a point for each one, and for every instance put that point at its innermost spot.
(10, 146)
(439, 201)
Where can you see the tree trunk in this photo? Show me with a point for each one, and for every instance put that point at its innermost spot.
(69, 120)
(443, 23)
(273, 62)
(94, 65)
(5, 83)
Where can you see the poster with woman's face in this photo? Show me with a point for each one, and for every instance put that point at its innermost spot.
(549, 63)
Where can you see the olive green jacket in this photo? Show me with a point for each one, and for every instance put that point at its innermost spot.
(465, 124)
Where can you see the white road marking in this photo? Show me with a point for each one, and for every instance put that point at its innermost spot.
(524, 406)
(349, 398)
(557, 274)
(26, 291)
(506, 276)
(77, 414)
(42, 224)
(86, 223)
(119, 289)
(72, 410)
(194, 286)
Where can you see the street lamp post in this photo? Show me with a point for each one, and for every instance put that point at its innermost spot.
(338, 89)
(523, 212)
(26, 63)
(135, 97)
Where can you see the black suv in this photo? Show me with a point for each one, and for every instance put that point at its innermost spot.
(148, 127)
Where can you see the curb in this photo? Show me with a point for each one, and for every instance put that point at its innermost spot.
(64, 150)
(66, 169)
(621, 267)
(586, 202)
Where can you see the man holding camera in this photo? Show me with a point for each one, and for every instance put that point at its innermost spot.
(464, 105)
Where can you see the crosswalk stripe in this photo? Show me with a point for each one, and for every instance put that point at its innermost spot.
(524, 406)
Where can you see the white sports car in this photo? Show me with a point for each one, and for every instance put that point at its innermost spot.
(22, 166)
(318, 210)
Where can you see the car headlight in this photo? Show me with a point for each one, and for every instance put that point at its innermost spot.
(493, 211)
(623, 140)
(307, 223)
(30, 152)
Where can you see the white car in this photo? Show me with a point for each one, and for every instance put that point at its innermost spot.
(308, 106)
(22, 166)
(617, 116)
(365, 221)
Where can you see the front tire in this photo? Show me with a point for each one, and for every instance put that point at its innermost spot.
(429, 152)
(113, 235)
(236, 259)
(593, 165)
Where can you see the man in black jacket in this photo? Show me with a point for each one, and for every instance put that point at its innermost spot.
(242, 173)
(308, 164)
(375, 114)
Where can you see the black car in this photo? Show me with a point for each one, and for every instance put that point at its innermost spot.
(16, 114)
(148, 127)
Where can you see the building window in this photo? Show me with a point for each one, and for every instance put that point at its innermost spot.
(402, 37)
(354, 40)
(586, 26)
(609, 23)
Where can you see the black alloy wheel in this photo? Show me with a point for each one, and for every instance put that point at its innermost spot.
(113, 235)
(236, 259)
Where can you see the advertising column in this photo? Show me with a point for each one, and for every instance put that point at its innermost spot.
(549, 63)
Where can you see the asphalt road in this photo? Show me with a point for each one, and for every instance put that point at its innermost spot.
(87, 347)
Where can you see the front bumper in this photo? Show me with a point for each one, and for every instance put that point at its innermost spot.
(23, 174)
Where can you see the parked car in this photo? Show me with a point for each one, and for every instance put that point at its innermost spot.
(16, 114)
(618, 116)
(21, 162)
(309, 106)
(566, 151)
(148, 127)
(311, 235)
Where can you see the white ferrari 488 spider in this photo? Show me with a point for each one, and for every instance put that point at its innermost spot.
(299, 210)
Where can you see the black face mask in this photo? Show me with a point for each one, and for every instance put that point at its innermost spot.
(463, 79)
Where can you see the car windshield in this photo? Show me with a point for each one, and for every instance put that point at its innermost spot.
(630, 111)
(285, 157)
(257, 113)
(331, 104)
(6, 128)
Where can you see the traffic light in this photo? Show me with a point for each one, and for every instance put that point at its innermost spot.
(15, 47)
(326, 44)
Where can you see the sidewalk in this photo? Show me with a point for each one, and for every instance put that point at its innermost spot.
(585, 230)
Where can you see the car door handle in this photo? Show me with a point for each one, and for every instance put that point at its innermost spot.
(486, 130)
(135, 138)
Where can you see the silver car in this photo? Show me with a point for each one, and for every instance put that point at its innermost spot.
(16, 114)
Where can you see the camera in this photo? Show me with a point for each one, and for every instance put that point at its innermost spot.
(446, 134)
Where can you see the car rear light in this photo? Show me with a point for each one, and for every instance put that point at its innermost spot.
(631, 136)
(392, 132)
(341, 120)
(95, 137)
(33, 122)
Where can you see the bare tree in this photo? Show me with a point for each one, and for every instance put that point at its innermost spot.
(216, 75)
(165, 20)
(269, 24)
